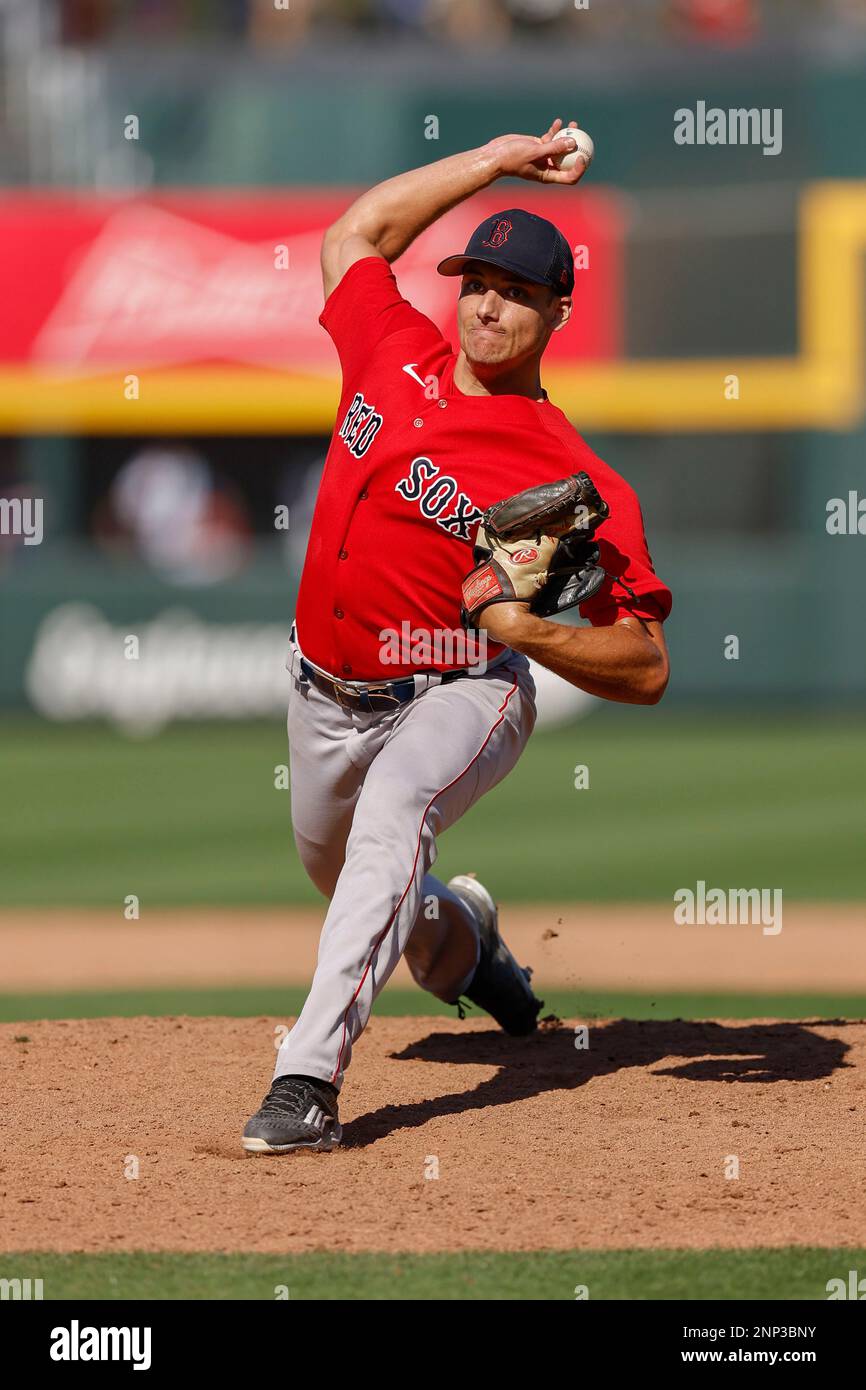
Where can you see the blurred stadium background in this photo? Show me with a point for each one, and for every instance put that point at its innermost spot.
(155, 156)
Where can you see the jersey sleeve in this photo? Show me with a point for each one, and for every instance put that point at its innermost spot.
(634, 589)
(366, 309)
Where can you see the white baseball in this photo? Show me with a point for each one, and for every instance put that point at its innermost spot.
(585, 147)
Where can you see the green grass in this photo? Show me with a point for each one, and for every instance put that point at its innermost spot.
(792, 1273)
(192, 816)
(273, 1002)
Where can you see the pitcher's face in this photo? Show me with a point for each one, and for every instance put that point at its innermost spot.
(503, 318)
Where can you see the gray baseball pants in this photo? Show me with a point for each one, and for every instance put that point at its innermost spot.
(370, 794)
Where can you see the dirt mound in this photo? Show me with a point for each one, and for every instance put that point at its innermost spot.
(456, 1137)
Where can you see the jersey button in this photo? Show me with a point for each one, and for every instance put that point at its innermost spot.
(338, 613)
(344, 554)
(362, 496)
(347, 670)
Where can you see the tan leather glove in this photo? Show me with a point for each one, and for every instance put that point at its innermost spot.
(537, 548)
(515, 572)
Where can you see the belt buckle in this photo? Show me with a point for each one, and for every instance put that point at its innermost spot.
(341, 695)
(386, 695)
(348, 697)
(379, 691)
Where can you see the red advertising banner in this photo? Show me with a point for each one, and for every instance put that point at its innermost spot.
(211, 301)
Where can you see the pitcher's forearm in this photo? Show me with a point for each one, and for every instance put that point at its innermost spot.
(620, 662)
(391, 215)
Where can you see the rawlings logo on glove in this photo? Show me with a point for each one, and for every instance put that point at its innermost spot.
(558, 570)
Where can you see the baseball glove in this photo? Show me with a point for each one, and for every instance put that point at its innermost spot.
(537, 548)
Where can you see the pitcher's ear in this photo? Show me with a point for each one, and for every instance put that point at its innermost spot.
(566, 305)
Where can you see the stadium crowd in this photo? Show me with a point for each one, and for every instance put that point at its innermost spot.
(276, 22)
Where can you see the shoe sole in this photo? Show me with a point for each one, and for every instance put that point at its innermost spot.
(323, 1145)
(467, 887)
(476, 896)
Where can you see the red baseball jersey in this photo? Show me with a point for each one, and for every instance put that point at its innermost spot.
(412, 465)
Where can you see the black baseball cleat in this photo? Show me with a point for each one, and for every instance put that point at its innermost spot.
(499, 986)
(298, 1112)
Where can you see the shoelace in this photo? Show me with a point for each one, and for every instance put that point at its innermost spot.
(285, 1094)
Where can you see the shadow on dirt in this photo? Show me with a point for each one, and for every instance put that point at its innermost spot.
(550, 1061)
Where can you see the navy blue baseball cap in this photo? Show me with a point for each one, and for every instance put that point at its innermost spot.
(529, 246)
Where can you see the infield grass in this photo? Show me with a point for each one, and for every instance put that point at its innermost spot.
(192, 816)
(273, 1002)
(792, 1273)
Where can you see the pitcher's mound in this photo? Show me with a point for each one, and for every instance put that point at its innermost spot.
(124, 1134)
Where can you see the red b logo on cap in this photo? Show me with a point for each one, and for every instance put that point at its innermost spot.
(500, 234)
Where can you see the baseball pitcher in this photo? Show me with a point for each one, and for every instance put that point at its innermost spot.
(460, 507)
